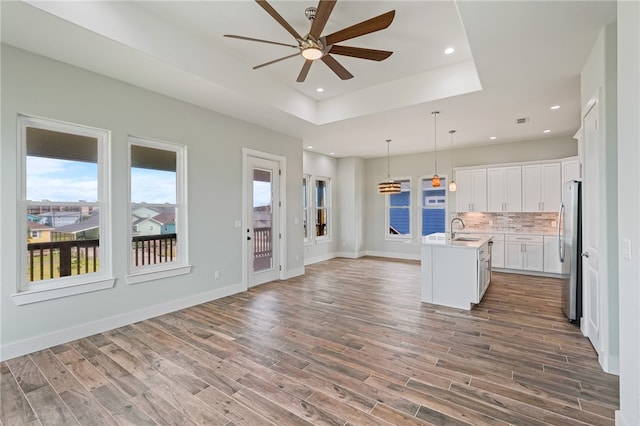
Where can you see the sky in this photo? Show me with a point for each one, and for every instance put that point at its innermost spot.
(63, 180)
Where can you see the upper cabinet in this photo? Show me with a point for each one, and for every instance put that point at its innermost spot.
(504, 191)
(541, 187)
(471, 195)
(570, 170)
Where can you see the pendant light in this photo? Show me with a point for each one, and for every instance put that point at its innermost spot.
(389, 186)
(435, 180)
(452, 182)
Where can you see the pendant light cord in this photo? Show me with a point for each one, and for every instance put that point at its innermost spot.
(435, 144)
(388, 164)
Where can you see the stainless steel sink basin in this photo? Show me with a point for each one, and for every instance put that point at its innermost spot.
(466, 239)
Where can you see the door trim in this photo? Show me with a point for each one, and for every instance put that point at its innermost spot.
(246, 220)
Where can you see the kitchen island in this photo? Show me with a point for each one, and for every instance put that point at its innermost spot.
(455, 272)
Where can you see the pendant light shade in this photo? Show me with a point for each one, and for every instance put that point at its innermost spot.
(435, 180)
(388, 186)
(452, 183)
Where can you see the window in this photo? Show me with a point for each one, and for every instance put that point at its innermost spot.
(305, 206)
(64, 188)
(398, 217)
(434, 206)
(157, 209)
(322, 208)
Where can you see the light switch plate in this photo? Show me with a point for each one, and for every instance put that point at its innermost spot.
(238, 224)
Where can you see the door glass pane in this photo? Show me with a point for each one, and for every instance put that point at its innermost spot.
(262, 220)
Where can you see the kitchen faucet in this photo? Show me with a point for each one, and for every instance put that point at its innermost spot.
(453, 234)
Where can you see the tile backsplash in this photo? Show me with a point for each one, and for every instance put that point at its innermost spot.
(544, 223)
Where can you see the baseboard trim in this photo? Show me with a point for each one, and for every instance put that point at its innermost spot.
(610, 364)
(350, 255)
(294, 273)
(59, 337)
(317, 259)
(523, 272)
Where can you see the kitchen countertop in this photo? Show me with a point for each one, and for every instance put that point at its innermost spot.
(495, 231)
(444, 240)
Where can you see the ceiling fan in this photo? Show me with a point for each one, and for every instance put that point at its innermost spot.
(314, 46)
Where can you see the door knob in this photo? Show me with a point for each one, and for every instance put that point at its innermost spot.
(585, 254)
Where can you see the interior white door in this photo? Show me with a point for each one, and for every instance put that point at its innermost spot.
(263, 219)
(591, 226)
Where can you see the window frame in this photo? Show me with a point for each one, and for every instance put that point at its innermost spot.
(328, 235)
(387, 220)
(31, 292)
(444, 185)
(306, 210)
(181, 266)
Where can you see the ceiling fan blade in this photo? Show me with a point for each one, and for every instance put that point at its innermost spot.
(378, 23)
(275, 15)
(304, 71)
(360, 52)
(336, 67)
(260, 40)
(324, 9)
(275, 60)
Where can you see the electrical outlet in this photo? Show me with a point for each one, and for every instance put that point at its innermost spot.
(553, 224)
(297, 257)
(490, 222)
(216, 275)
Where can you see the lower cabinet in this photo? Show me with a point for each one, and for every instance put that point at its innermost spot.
(524, 252)
(497, 251)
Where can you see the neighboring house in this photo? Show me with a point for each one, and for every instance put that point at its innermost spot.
(38, 232)
(143, 212)
(147, 226)
(167, 219)
(35, 218)
(58, 219)
(87, 229)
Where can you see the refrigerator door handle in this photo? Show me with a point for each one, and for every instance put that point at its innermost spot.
(560, 224)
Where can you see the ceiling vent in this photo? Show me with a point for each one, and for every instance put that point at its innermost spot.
(522, 120)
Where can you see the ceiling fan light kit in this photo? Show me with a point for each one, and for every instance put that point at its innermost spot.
(314, 46)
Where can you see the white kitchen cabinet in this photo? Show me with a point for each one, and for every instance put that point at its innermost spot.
(524, 252)
(551, 258)
(504, 189)
(455, 274)
(570, 170)
(497, 251)
(541, 187)
(471, 195)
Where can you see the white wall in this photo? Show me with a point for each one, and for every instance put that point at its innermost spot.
(599, 76)
(629, 209)
(321, 166)
(417, 166)
(351, 214)
(41, 87)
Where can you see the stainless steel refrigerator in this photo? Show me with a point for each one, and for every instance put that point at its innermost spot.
(570, 248)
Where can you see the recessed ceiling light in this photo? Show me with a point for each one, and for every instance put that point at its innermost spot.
(547, 131)
(319, 89)
(449, 50)
(332, 153)
(555, 107)
(310, 147)
(493, 138)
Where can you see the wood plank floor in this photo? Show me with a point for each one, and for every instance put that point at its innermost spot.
(349, 343)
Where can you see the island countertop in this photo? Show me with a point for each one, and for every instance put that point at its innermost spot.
(471, 241)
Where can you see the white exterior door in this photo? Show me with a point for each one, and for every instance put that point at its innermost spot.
(262, 220)
(592, 304)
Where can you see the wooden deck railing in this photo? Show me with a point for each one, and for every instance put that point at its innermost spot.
(262, 242)
(152, 249)
(62, 258)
